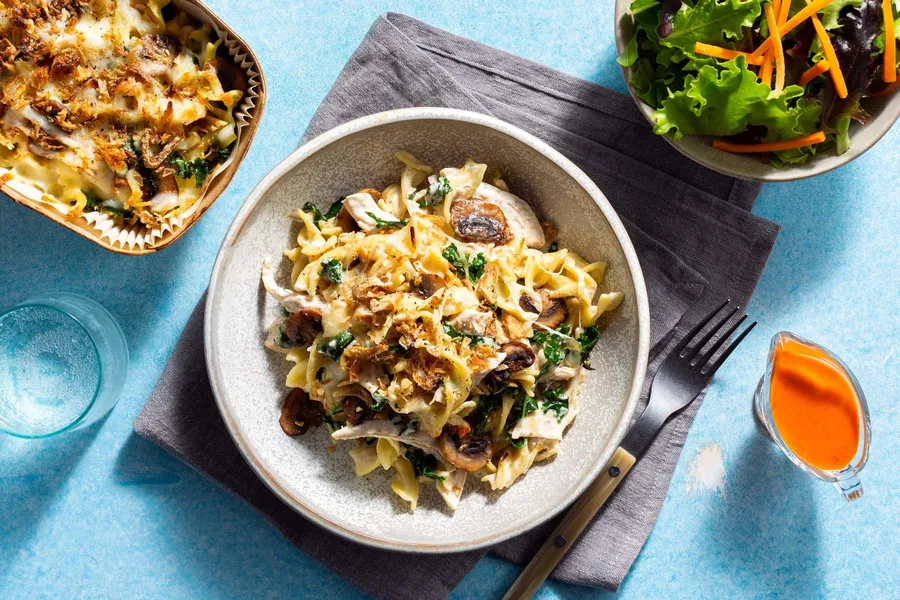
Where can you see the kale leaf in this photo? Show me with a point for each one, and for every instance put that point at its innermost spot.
(332, 270)
(588, 339)
(382, 224)
(436, 192)
(465, 267)
(556, 400)
(423, 464)
(334, 347)
(474, 339)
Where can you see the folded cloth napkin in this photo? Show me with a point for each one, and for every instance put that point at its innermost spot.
(691, 227)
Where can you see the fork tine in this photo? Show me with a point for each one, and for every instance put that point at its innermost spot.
(715, 329)
(715, 366)
(718, 343)
(697, 328)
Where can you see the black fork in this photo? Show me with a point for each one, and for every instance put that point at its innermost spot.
(683, 375)
(680, 379)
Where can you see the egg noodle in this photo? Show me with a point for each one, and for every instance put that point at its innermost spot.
(113, 105)
(439, 325)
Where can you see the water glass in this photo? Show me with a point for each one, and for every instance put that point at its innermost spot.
(63, 364)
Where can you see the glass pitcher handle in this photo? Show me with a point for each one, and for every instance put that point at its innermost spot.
(850, 488)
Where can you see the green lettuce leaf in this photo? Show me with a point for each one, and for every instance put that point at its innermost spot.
(716, 22)
(724, 101)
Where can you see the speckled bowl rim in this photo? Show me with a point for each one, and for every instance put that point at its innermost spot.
(758, 171)
(412, 114)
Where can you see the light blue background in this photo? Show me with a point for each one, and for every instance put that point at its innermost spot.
(103, 514)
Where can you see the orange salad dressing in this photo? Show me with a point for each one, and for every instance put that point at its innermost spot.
(814, 406)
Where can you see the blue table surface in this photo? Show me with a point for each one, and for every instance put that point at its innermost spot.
(104, 514)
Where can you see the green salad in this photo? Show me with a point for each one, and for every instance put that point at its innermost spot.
(781, 80)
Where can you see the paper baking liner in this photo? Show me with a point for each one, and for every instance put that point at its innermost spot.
(139, 235)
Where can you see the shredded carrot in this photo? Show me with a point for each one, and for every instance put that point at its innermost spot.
(814, 71)
(776, 4)
(724, 53)
(807, 140)
(782, 13)
(765, 73)
(777, 49)
(801, 16)
(889, 70)
(840, 86)
(890, 89)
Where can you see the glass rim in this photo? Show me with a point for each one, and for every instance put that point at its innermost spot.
(37, 303)
(862, 455)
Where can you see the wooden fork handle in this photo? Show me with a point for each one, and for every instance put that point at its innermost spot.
(571, 526)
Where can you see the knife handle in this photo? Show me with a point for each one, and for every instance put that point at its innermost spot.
(571, 526)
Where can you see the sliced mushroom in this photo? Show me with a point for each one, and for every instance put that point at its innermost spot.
(355, 410)
(519, 355)
(299, 413)
(469, 453)
(526, 303)
(519, 216)
(426, 285)
(154, 54)
(303, 326)
(553, 310)
(476, 221)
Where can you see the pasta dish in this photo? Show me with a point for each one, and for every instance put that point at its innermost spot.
(119, 106)
(439, 325)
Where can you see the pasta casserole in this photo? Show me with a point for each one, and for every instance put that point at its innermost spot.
(118, 106)
(439, 325)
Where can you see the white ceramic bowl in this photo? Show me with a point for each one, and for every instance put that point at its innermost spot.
(884, 112)
(248, 380)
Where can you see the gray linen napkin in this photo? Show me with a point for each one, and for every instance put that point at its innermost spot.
(691, 228)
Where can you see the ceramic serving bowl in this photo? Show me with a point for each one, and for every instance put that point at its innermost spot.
(884, 112)
(138, 240)
(249, 381)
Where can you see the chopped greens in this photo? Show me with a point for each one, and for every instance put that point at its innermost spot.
(523, 406)
(332, 270)
(334, 347)
(382, 224)
(553, 343)
(588, 339)
(556, 400)
(332, 424)
(423, 464)
(436, 192)
(486, 405)
(398, 350)
(317, 215)
(465, 267)
(379, 402)
(476, 266)
(553, 247)
(334, 209)
(314, 211)
(198, 168)
(474, 339)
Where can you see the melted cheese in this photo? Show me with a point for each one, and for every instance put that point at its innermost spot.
(120, 73)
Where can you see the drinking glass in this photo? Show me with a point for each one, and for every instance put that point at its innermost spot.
(846, 480)
(63, 364)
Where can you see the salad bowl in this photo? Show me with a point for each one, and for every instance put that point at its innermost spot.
(248, 381)
(883, 112)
